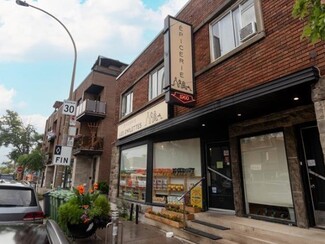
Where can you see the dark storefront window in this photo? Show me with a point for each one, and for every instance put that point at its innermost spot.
(266, 177)
(176, 167)
(133, 173)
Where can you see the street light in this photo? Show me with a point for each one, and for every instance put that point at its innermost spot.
(66, 118)
(22, 3)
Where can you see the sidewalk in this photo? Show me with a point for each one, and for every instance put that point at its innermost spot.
(140, 233)
(133, 233)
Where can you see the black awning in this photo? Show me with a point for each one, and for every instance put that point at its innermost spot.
(267, 98)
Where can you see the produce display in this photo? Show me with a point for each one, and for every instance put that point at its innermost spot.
(175, 187)
(173, 171)
(167, 183)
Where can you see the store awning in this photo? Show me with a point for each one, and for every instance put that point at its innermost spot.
(271, 97)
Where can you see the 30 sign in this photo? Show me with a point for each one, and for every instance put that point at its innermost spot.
(69, 107)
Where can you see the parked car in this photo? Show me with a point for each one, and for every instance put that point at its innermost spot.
(31, 233)
(19, 202)
(7, 177)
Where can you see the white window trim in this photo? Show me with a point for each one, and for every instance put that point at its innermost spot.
(150, 96)
(124, 105)
(259, 34)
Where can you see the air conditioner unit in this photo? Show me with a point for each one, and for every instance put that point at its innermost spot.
(247, 31)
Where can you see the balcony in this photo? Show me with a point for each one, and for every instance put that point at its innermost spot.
(91, 110)
(87, 145)
(51, 136)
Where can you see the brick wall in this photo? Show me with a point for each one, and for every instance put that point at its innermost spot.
(280, 53)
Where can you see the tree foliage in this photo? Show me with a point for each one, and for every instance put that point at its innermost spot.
(14, 134)
(314, 12)
(32, 161)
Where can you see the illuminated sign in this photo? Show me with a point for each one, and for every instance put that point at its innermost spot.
(178, 62)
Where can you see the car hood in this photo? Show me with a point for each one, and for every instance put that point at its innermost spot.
(22, 233)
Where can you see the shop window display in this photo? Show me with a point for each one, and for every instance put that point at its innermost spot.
(266, 177)
(176, 167)
(133, 173)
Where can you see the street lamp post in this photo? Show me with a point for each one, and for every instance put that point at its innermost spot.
(66, 117)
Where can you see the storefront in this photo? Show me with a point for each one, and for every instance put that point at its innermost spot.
(252, 164)
(170, 170)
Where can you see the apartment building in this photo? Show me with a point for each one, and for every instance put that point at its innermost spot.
(52, 136)
(93, 137)
(228, 95)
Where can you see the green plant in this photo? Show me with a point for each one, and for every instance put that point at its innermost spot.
(166, 216)
(103, 187)
(314, 12)
(84, 207)
(176, 209)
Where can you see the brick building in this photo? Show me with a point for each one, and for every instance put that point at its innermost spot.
(52, 136)
(255, 133)
(95, 99)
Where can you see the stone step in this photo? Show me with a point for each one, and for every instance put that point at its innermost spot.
(245, 230)
(202, 233)
(231, 235)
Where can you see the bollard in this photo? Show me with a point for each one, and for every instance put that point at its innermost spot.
(115, 227)
(137, 214)
(131, 212)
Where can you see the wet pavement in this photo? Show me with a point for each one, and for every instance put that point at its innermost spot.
(132, 232)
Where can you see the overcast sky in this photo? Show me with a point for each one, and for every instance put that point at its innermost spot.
(36, 53)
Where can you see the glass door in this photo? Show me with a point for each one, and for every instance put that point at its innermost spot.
(219, 177)
(315, 167)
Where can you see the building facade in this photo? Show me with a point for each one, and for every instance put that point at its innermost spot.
(243, 115)
(52, 136)
(93, 135)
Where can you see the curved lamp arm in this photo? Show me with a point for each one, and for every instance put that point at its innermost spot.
(22, 3)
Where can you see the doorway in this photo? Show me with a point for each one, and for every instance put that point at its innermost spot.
(315, 171)
(219, 179)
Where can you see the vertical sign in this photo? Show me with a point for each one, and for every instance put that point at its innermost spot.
(178, 62)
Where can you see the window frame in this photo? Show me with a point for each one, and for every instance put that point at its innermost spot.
(159, 85)
(131, 148)
(259, 165)
(127, 105)
(260, 31)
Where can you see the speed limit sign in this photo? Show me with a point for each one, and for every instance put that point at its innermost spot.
(69, 107)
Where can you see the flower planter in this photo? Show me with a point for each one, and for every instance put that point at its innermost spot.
(189, 216)
(192, 209)
(164, 220)
(82, 230)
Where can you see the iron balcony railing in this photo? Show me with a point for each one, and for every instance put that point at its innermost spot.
(84, 144)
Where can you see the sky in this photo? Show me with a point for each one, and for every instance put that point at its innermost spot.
(37, 55)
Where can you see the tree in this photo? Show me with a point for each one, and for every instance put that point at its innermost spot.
(32, 161)
(14, 134)
(314, 12)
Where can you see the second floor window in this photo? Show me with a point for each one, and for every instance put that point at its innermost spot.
(156, 82)
(233, 28)
(127, 103)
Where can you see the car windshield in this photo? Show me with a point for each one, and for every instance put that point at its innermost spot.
(17, 197)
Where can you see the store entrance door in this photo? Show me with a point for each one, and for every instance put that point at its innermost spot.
(219, 177)
(315, 167)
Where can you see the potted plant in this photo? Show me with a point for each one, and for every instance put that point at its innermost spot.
(84, 212)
